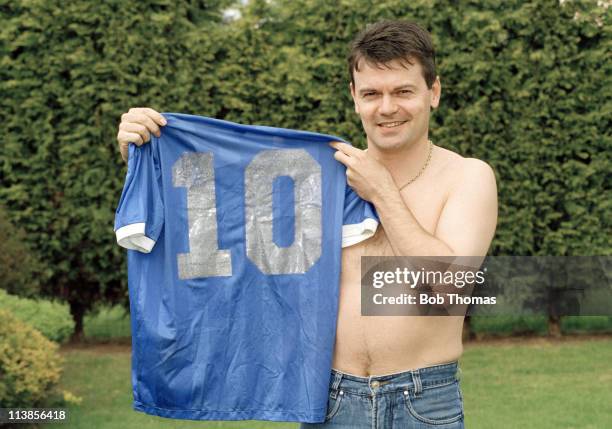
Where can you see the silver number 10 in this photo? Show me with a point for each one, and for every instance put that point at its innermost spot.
(195, 171)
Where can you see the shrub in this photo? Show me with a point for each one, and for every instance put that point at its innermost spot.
(30, 366)
(52, 319)
(107, 323)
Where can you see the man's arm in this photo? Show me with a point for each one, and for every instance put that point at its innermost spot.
(467, 221)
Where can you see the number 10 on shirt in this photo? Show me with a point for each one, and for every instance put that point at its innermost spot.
(195, 172)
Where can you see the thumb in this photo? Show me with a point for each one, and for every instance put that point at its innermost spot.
(124, 149)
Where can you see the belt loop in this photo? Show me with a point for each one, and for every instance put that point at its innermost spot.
(336, 384)
(416, 379)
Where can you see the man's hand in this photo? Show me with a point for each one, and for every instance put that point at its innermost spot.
(136, 127)
(364, 174)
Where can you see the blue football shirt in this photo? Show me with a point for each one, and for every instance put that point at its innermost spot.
(235, 234)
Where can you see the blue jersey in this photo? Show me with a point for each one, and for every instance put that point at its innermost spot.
(235, 234)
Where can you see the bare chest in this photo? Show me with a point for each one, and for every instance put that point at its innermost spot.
(425, 203)
(382, 345)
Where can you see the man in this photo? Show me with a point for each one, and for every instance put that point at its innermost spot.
(395, 371)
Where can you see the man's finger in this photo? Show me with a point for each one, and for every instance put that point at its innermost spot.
(124, 150)
(343, 158)
(131, 127)
(345, 148)
(156, 116)
(137, 116)
(126, 137)
(144, 119)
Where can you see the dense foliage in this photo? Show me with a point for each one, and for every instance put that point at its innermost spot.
(67, 72)
(52, 319)
(19, 267)
(30, 364)
(526, 87)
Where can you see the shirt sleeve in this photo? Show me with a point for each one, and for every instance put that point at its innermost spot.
(140, 214)
(360, 219)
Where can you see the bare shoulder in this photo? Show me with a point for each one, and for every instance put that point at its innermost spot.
(464, 171)
(469, 217)
(477, 170)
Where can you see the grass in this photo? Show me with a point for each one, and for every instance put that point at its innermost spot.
(510, 384)
(100, 375)
(541, 384)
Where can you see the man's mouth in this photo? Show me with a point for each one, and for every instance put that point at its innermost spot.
(391, 124)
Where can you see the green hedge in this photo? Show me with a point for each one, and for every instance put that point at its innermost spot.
(526, 87)
(20, 268)
(107, 323)
(67, 72)
(528, 325)
(52, 319)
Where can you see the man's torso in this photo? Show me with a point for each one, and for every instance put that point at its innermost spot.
(378, 345)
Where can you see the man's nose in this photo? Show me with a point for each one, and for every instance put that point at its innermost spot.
(387, 105)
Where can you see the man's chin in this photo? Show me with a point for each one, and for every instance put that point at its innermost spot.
(389, 145)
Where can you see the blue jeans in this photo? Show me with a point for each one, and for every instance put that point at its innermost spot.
(423, 398)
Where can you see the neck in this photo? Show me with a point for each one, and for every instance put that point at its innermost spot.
(403, 163)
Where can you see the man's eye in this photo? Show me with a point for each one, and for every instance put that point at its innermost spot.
(369, 94)
(405, 91)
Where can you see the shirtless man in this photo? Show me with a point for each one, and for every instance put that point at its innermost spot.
(395, 371)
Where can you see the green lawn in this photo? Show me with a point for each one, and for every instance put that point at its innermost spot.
(541, 384)
(100, 374)
(506, 384)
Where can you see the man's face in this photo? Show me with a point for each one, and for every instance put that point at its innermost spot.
(393, 102)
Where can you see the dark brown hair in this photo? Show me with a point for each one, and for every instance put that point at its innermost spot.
(385, 41)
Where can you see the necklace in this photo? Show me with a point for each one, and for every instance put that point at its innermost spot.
(422, 168)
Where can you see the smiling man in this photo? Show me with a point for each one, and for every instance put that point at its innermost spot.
(400, 371)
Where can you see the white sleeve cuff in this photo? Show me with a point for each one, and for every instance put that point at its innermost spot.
(357, 232)
(133, 237)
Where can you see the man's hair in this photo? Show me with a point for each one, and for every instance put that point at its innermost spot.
(380, 43)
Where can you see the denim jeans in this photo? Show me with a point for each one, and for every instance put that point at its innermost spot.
(423, 398)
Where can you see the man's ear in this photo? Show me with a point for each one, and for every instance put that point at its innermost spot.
(352, 88)
(436, 92)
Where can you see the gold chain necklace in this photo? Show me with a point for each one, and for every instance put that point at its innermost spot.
(422, 168)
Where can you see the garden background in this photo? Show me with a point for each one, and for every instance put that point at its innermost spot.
(526, 87)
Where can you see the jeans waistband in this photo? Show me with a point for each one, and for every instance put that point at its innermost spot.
(416, 380)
